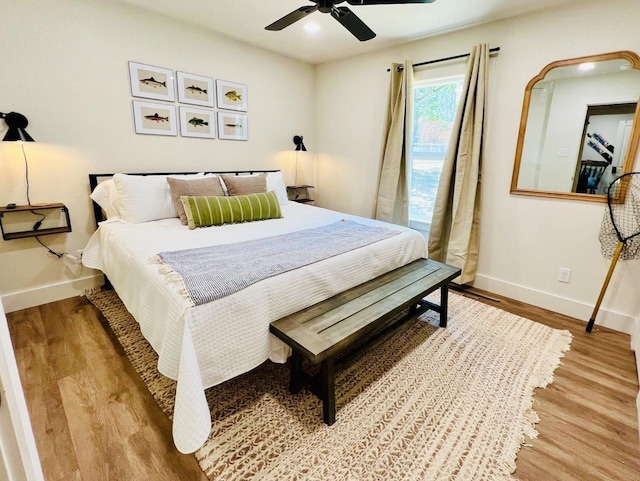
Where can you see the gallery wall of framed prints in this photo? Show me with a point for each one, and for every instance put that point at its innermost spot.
(212, 108)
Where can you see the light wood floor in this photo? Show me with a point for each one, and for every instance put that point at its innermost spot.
(93, 418)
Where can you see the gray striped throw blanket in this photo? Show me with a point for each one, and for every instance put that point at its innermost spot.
(209, 273)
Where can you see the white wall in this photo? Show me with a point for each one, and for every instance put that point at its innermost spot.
(65, 68)
(524, 240)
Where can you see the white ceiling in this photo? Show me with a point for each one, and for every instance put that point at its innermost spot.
(245, 20)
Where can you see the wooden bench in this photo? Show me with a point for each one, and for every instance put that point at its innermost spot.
(324, 330)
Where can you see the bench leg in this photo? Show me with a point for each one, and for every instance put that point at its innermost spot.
(296, 376)
(328, 393)
(444, 303)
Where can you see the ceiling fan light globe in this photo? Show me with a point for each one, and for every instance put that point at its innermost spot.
(312, 28)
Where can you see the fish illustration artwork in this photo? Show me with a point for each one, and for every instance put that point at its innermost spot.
(156, 118)
(151, 82)
(196, 90)
(196, 122)
(233, 96)
(234, 126)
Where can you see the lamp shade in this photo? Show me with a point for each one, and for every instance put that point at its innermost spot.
(17, 124)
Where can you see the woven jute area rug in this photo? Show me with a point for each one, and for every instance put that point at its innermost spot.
(427, 404)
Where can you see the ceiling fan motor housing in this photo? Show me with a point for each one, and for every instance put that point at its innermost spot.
(325, 6)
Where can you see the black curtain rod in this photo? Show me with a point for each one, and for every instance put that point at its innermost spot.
(444, 59)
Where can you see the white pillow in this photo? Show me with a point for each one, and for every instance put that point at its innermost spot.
(106, 197)
(143, 198)
(275, 181)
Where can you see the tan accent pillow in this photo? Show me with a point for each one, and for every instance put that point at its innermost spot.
(245, 184)
(197, 187)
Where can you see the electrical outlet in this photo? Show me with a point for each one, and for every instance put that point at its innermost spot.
(564, 275)
(563, 152)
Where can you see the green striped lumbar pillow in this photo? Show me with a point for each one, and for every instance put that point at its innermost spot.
(204, 211)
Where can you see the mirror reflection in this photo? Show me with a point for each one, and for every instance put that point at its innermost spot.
(578, 129)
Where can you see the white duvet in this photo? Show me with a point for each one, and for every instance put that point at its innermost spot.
(205, 345)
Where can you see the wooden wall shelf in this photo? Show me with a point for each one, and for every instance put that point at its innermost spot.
(300, 193)
(4, 210)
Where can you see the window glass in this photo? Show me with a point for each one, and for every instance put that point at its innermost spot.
(434, 110)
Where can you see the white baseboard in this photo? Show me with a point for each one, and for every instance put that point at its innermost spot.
(569, 307)
(16, 301)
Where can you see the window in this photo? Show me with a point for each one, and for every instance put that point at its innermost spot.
(434, 109)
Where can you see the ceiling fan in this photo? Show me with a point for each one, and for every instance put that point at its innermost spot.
(346, 17)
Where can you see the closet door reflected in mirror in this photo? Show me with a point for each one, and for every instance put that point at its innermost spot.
(579, 127)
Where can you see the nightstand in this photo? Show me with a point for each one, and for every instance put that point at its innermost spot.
(300, 193)
(24, 218)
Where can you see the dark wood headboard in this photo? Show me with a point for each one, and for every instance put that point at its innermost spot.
(95, 179)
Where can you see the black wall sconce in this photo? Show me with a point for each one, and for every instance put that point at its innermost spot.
(17, 124)
(297, 140)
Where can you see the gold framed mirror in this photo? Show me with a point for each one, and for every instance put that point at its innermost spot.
(579, 127)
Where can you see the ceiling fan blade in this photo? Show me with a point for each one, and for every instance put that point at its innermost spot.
(385, 2)
(292, 17)
(351, 22)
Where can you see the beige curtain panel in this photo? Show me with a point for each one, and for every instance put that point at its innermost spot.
(392, 203)
(454, 234)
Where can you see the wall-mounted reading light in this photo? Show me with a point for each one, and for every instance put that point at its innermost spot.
(297, 140)
(17, 124)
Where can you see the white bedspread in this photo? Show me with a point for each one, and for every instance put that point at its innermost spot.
(205, 345)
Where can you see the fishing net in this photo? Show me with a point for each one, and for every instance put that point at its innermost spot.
(620, 229)
(621, 221)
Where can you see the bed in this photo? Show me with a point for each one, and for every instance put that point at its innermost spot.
(203, 345)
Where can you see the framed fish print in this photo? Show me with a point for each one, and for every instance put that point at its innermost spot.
(194, 89)
(151, 82)
(197, 123)
(231, 96)
(154, 118)
(232, 126)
